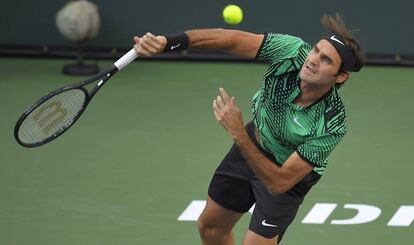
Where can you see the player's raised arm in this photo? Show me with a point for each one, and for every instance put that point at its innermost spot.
(233, 41)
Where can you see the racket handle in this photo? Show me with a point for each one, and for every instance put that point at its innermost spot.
(126, 59)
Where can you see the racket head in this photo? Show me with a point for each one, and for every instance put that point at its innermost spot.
(51, 116)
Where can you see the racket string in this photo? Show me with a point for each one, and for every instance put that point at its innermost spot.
(52, 117)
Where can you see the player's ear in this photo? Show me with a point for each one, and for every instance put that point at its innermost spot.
(342, 77)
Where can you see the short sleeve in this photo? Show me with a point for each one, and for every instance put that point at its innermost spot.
(276, 47)
(316, 151)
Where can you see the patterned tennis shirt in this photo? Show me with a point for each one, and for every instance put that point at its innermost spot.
(285, 127)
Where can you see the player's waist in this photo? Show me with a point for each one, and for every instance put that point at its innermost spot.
(255, 137)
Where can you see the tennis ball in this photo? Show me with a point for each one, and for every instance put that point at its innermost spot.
(232, 14)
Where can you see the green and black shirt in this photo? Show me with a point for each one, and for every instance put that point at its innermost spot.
(284, 127)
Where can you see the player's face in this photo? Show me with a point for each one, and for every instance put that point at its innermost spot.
(321, 66)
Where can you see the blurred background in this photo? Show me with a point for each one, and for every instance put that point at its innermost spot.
(136, 166)
(385, 30)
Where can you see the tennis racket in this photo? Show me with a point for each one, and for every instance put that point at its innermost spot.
(56, 112)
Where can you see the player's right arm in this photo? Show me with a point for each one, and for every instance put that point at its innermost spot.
(237, 42)
(233, 41)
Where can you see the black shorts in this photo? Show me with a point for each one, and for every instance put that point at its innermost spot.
(234, 186)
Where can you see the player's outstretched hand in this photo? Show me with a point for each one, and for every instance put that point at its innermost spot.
(228, 114)
(149, 44)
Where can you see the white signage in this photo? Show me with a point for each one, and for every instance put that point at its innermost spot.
(320, 213)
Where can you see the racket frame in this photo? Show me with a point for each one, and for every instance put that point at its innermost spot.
(102, 77)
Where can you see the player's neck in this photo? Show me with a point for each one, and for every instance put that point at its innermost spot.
(310, 94)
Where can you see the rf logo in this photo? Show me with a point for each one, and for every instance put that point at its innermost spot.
(50, 115)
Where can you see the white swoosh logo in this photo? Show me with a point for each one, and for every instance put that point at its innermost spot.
(336, 40)
(296, 120)
(267, 224)
(175, 46)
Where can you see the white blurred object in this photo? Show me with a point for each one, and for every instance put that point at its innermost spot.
(78, 20)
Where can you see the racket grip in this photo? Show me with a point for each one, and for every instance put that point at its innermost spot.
(126, 59)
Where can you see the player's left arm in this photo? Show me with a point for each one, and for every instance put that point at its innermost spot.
(277, 179)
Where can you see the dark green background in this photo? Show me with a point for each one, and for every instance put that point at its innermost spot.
(148, 144)
(385, 26)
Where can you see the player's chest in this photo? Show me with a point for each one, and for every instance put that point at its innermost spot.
(295, 124)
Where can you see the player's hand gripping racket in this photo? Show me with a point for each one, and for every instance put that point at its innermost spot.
(54, 113)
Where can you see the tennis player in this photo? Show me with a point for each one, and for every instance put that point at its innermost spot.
(298, 119)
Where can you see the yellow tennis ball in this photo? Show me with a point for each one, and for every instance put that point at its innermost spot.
(232, 14)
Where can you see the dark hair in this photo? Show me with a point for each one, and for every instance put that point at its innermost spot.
(337, 25)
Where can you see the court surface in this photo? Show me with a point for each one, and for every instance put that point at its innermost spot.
(148, 143)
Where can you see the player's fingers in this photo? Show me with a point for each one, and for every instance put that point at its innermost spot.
(136, 45)
(149, 42)
(148, 47)
(136, 39)
(162, 42)
(217, 104)
(234, 105)
(136, 48)
(224, 94)
(151, 36)
(141, 51)
(216, 115)
(215, 110)
(220, 102)
(233, 100)
(157, 42)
